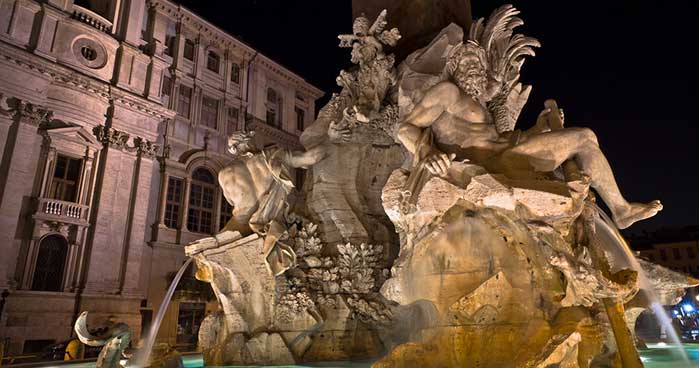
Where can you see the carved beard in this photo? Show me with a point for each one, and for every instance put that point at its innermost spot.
(473, 82)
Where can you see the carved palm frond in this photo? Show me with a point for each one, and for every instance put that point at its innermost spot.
(505, 53)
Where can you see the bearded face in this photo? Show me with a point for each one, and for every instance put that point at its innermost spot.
(470, 76)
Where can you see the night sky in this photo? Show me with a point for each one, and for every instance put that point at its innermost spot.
(624, 68)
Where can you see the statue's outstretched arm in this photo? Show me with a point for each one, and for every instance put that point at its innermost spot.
(437, 100)
(308, 158)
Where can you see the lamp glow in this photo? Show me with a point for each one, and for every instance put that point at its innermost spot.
(688, 308)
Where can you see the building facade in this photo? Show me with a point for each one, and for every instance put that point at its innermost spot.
(114, 117)
(681, 256)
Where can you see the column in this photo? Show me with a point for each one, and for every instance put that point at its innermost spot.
(185, 204)
(217, 211)
(164, 180)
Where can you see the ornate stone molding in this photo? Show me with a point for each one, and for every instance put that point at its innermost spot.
(120, 140)
(22, 109)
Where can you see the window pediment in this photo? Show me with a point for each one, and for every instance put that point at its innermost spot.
(58, 130)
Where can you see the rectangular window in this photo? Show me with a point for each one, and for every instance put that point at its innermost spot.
(184, 103)
(300, 118)
(201, 204)
(170, 39)
(66, 177)
(226, 213)
(663, 255)
(274, 107)
(173, 203)
(691, 253)
(144, 25)
(233, 116)
(188, 51)
(213, 62)
(676, 253)
(166, 91)
(235, 73)
(189, 318)
(209, 112)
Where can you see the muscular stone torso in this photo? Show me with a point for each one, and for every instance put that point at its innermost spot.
(467, 132)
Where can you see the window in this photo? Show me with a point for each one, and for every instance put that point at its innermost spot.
(170, 39)
(213, 61)
(144, 25)
(173, 201)
(233, 116)
(189, 318)
(226, 213)
(209, 112)
(663, 255)
(184, 103)
(66, 177)
(235, 73)
(300, 118)
(691, 253)
(188, 52)
(50, 264)
(201, 202)
(676, 253)
(274, 104)
(166, 91)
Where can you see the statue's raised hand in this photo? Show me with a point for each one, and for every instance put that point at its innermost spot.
(438, 163)
(339, 132)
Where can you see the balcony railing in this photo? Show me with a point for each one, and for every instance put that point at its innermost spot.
(92, 19)
(62, 210)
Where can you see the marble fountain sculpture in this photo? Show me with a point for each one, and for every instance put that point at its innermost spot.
(434, 233)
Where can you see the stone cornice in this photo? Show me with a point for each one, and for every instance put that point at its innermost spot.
(286, 139)
(70, 79)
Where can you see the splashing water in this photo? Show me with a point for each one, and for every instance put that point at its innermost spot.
(141, 357)
(603, 222)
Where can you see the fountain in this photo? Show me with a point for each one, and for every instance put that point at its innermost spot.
(141, 357)
(433, 231)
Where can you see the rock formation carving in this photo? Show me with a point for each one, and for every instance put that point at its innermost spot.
(434, 233)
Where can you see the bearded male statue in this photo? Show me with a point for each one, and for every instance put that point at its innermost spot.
(470, 116)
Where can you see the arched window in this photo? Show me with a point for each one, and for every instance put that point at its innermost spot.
(201, 201)
(50, 263)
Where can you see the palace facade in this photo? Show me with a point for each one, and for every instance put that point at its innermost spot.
(114, 117)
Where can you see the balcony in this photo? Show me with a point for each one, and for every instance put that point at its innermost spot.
(62, 211)
(92, 19)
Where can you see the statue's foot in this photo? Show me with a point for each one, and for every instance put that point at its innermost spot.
(637, 212)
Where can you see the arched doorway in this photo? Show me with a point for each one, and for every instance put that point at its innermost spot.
(50, 264)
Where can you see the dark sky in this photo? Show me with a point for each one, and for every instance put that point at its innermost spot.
(627, 69)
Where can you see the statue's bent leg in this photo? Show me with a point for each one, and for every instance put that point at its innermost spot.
(548, 151)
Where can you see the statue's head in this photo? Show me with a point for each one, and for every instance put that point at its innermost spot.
(241, 143)
(467, 64)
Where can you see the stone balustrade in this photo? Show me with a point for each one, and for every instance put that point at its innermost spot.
(62, 209)
(92, 19)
